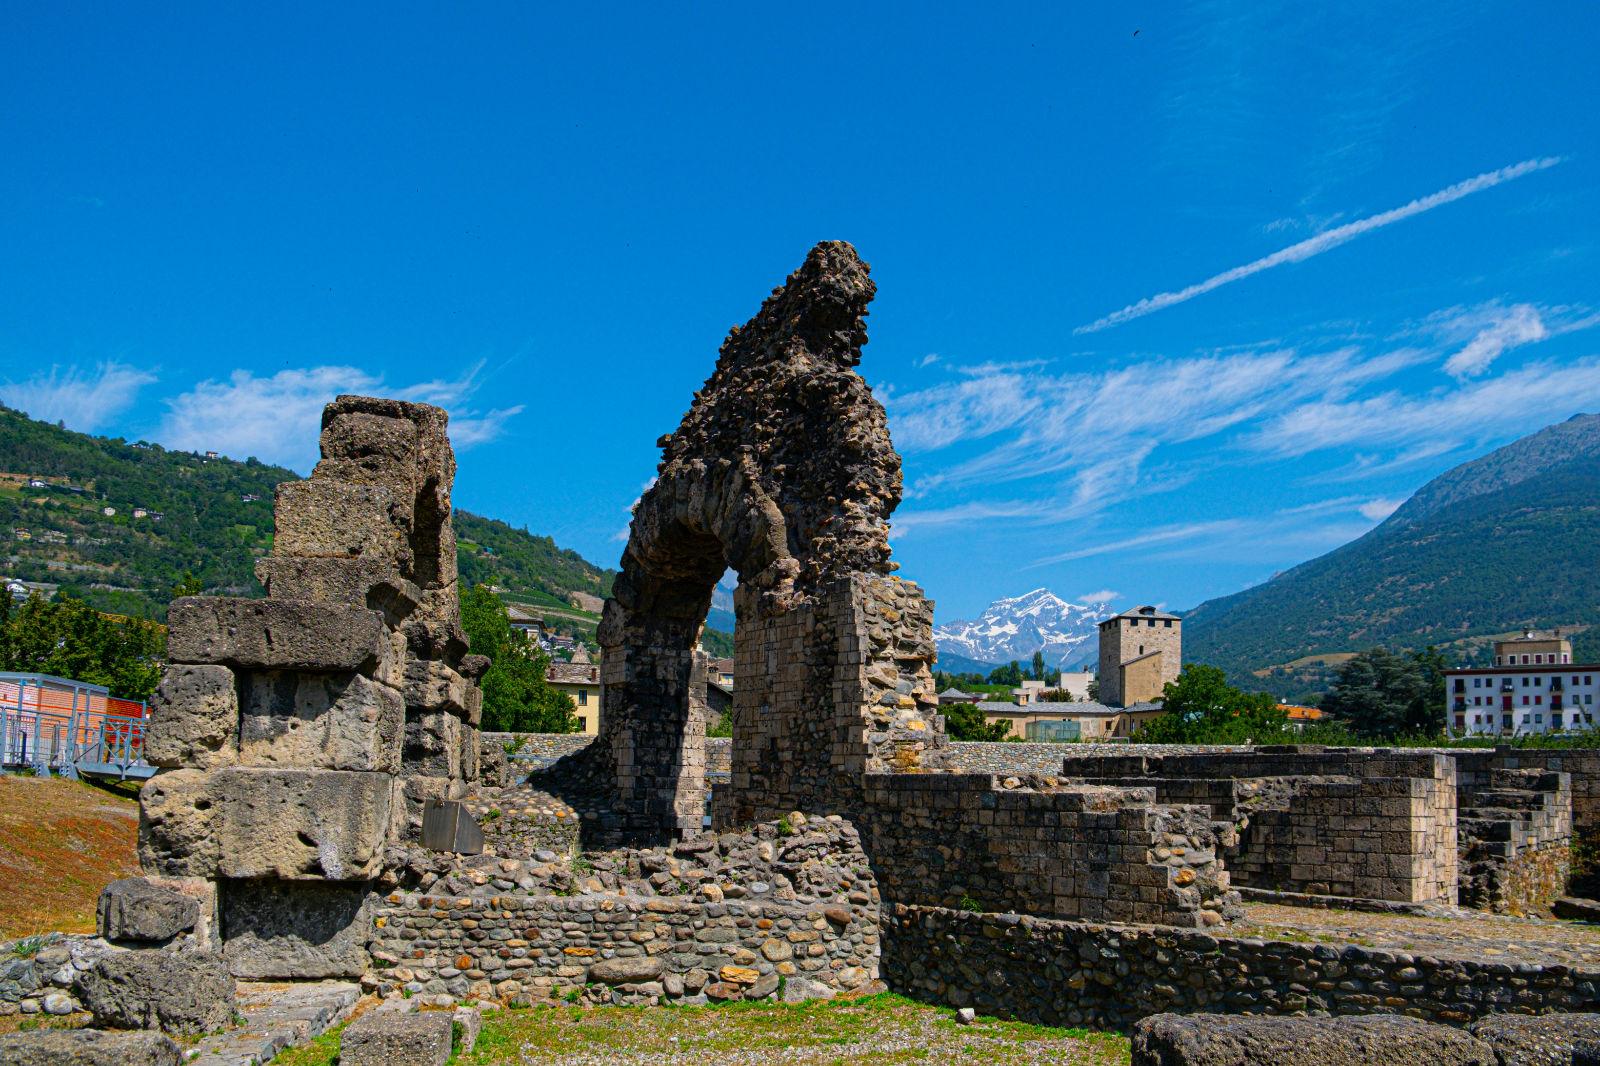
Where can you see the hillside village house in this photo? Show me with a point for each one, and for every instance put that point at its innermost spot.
(1140, 651)
(581, 681)
(1533, 687)
(1047, 722)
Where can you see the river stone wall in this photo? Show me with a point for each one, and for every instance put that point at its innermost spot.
(1055, 972)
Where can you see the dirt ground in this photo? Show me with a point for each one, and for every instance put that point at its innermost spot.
(61, 842)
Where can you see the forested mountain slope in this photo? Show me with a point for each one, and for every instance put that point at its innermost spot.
(1507, 540)
(215, 521)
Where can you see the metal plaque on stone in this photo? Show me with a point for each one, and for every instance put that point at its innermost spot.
(448, 826)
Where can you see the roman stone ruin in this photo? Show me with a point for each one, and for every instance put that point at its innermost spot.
(321, 813)
(305, 732)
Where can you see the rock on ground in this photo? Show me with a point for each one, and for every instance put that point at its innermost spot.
(1541, 1040)
(178, 991)
(391, 1038)
(87, 1047)
(1375, 1040)
(135, 909)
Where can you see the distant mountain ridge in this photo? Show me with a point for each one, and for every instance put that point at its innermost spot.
(1505, 540)
(1018, 626)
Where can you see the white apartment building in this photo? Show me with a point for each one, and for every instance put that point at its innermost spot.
(1533, 687)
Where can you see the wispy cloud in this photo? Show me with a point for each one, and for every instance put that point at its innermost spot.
(84, 400)
(927, 360)
(1102, 596)
(1322, 242)
(1379, 509)
(278, 418)
(1488, 330)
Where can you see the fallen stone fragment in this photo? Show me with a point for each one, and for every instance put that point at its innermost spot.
(966, 1016)
(468, 1023)
(177, 991)
(136, 909)
(627, 971)
(87, 1047)
(1537, 1040)
(1373, 1040)
(390, 1038)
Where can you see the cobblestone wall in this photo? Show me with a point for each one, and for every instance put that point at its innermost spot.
(1032, 846)
(1077, 974)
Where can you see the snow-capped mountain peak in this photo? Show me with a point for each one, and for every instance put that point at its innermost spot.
(1017, 626)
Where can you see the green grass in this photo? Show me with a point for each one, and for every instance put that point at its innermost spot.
(882, 1029)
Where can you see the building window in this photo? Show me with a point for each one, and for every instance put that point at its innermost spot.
(583, 724)
(1539, 700)
(1538, 719)
(1538, 658)
(1505, 721)
(583, 697)
(1524, 660)
(1524, 701)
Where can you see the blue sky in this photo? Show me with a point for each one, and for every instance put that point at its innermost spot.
(1171, 297)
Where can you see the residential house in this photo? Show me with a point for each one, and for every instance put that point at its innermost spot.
(581, 681)
(953, 695)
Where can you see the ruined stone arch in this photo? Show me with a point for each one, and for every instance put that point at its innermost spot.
(783, 471)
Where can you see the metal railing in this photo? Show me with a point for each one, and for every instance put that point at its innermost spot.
(51, 730)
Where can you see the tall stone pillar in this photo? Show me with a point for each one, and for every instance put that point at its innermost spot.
(300, 733)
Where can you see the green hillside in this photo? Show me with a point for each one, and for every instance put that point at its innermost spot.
(1495, 544)
(209, 528)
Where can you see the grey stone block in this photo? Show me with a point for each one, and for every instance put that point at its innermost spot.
(302, 929)
(300, 824)
(434, 686)
(433, 744)
(176, 818)
(389, 1038)
(1372, 1040)
(136, 909)
(88, 1047)
(1538, 1040)
(322, 721)
(274, 634)
(370, 582)
(324, 518)
(627, 971)
(194, 718)
(176, 991)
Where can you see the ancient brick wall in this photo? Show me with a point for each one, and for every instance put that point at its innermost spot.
(1077, 974)
(1034, 847)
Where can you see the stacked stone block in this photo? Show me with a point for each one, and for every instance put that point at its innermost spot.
(1343, 823)
(1034, 846)
(1515, 841)
(299, 734)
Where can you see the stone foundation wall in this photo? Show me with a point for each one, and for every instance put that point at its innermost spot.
(1078, 974)
(1033, 846)
(608, 948)
(1516, 837)
(1335, 822)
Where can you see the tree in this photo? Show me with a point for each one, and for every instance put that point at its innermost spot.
(517, 697)
(188, 585)
(1010, 674)
(1202, 708)
(1382, 695)
(1038, 666)
(1094, 690)
(964, 721)
(68, 638)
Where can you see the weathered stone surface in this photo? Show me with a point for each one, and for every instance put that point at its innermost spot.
(273, 634)
(136, 909)
(300, 824)
(88, 1047)
(370, 582)
(299, 929)
(276, 1016)
(1538, 1040)
(433, 744)
(176, 991)
(1226, 1040)
(323, 721)
(177, 835)
(329, 519)
(434, 686)
(194, 718)
(389, 1038)
(623, 971)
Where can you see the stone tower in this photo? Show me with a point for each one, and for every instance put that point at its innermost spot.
(1140, 651)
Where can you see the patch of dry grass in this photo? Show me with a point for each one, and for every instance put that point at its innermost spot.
(61, 842)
